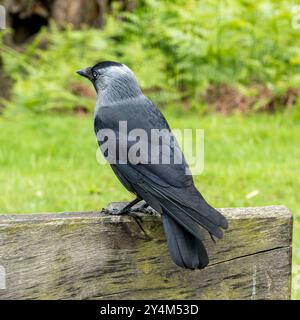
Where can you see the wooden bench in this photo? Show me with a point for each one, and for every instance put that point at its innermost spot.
(98, 256)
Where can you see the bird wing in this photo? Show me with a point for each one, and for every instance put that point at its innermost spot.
(166, 187)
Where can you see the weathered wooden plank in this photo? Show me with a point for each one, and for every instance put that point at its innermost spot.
(92, 255)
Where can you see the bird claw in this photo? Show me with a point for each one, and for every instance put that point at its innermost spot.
(212, 238)
(135, 216)
(144, 208)
(117, 212)
(129, 212)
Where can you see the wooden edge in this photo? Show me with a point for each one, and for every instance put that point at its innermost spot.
(276, 211)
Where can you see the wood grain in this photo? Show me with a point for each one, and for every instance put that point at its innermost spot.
(99, 256)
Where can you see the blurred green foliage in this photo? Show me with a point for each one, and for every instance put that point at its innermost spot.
(176, 48)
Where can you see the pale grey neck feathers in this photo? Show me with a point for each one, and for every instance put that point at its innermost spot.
(119, 85)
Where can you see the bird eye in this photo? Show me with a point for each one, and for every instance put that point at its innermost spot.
(95, 74)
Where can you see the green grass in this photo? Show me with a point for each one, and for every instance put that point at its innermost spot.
(48, 163)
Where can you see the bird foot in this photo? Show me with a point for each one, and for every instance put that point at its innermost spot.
(132, 212)
(144, 208)
(135, 216)
(119, 212)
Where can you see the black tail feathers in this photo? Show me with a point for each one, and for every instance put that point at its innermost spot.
(186, 250)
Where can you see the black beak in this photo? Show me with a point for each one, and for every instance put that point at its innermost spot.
(87, 73)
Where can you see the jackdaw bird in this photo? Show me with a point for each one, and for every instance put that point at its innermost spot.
(167, 188)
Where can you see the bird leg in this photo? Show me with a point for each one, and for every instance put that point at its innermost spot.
(142, 208)
(127, 208)
(132, 212)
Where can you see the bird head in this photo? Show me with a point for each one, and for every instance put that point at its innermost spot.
(113, 81)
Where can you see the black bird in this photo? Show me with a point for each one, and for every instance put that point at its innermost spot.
(165, 187)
